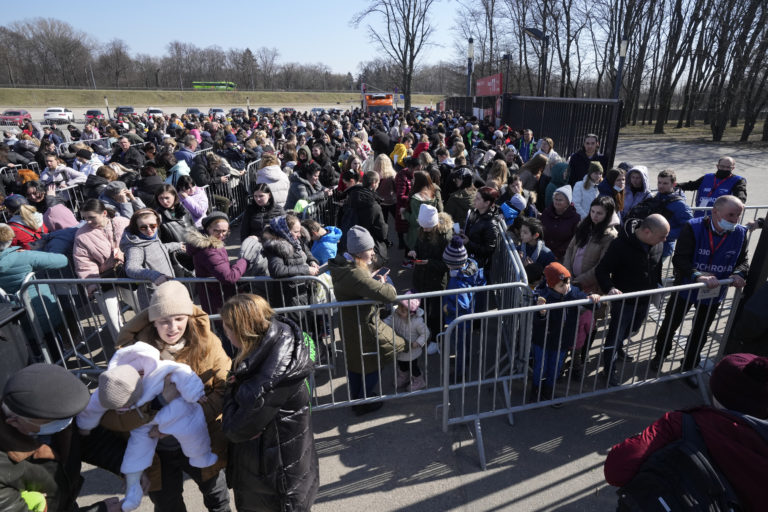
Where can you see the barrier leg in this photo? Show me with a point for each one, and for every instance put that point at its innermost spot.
(480, 445)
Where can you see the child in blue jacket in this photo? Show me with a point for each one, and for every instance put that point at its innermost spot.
(554, 335)
(325, 240)
(463, 272)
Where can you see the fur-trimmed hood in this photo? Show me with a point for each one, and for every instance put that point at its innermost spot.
(279, 246)
(444, 224)
(200, 241)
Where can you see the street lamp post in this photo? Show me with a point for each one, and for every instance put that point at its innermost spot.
(539, 35)
(507, 57)
(470, 57)
(622, 57)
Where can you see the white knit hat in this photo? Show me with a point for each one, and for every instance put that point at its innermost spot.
(427, 216)
(566, 191)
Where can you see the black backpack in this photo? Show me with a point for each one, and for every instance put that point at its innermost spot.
(679, 477)
(648, 207)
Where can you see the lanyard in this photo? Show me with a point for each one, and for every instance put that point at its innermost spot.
(712, 247)
(715, 185)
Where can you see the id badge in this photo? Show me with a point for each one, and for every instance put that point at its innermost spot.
(709, 293)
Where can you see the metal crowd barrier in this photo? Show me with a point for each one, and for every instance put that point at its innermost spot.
(237, 195)
(330, 383)
(79, 328)
(498, 378)
(325, 211)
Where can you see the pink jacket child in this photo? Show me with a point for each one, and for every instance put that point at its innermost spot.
(196, 204)
(135, 376)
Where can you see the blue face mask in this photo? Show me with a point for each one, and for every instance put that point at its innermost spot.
(53, 427)
(727, 226)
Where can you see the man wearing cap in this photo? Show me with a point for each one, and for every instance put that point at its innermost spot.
(739, 386)
(233, 153)
(39, 447)
(632, 263)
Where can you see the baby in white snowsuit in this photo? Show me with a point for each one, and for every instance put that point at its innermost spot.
(135, 376)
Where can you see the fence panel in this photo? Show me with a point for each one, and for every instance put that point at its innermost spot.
(574, 351)
(77, 322)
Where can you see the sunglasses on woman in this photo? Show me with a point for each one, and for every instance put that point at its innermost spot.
(148, 227)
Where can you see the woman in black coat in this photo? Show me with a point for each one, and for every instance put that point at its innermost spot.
(481, 233)
(272, 462)
(259, 212)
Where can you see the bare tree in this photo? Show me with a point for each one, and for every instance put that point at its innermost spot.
(267, 61)
(406, 30)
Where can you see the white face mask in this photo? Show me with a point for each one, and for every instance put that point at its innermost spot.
(727, 226)
(618, 189)
(53, 427)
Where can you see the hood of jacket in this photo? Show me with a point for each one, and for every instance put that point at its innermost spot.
(181, 168)
(306, 149)
(445, 224)
(94, 180)
(559, 173)
(273, 173)
(278, 245)
(198, 241)
(642, 171)
(296, 178)
(332, 236)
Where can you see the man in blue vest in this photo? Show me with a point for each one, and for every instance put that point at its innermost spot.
(713, 185)
(525, 145)
(709, 249)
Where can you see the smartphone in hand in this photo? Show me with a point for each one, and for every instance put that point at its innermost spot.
(383, 271)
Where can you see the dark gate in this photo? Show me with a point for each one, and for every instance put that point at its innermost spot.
(565, 120)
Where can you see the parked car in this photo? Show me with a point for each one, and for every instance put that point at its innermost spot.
(193, 111)
(216, 113)
(58, 115)
(238, 112)
(317, 111)
(264, 111)
(124, 111)
(287, 110)
(154, 112)
(93, 114)
(15, 116)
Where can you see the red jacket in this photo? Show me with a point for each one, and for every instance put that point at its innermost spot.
(26, 235)
(735, 448)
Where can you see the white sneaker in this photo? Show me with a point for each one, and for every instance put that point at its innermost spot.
(433, 348)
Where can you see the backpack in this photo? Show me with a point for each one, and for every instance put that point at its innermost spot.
(648, 207)
(679, 477)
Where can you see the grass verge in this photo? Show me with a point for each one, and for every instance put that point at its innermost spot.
(140, 100)
(697, 133)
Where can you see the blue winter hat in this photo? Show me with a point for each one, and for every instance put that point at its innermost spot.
(230, 137)
(15, 201)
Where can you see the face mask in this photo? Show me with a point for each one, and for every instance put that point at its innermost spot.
(52, 427)
(618, 189)
(727, 226)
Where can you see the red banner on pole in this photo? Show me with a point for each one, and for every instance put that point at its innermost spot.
(490, 85)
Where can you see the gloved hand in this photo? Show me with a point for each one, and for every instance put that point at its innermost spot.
(250, 249)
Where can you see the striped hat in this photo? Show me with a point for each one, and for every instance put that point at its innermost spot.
(455, 255)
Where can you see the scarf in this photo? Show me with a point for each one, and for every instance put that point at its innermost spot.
(280, 227)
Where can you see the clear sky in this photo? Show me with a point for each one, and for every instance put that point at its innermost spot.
(303, 31)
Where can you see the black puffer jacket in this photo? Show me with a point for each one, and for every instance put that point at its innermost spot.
(363, 209)
(94, 186)
(301, 188)
(272, 461)
(176, 222)
(257, 218)
(285, 261)
(483, 234)
(329, 175)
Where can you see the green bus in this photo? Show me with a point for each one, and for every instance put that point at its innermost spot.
(214, 86)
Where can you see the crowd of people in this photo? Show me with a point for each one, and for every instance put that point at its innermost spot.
(449, 185)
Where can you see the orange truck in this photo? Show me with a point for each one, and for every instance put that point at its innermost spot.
(378, 102)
